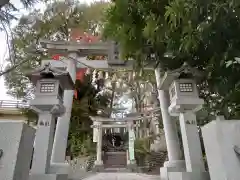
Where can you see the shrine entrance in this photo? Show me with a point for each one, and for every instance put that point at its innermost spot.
(114, 150)
(115, 142)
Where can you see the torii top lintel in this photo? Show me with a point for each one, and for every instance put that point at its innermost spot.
(127, 119)
(83, 48)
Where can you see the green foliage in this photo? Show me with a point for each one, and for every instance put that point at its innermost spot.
(80, 142)
(142, 145)
(203, 33)
(124, 24)
(142, 150)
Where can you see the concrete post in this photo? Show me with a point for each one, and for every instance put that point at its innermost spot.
(61, 134)
(192, 150)
(43, 144)
(174, 162)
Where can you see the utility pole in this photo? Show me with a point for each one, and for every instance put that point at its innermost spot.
(3, 3)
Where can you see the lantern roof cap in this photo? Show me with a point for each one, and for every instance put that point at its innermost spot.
(48, 72)
(184, 72)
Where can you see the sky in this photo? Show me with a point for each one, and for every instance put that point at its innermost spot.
(4, 51)
(3, 44)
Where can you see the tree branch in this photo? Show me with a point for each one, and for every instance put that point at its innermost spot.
(3, 3)
(13, 67)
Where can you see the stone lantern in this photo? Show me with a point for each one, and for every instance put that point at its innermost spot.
(184, 102)
(181, 84)
(50, 84)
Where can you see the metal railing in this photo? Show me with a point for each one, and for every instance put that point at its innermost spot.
(13, 104)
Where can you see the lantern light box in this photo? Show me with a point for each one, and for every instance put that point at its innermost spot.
(50, 84)
(182, 88)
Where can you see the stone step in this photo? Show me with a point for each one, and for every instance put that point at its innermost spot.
(115, 160)
(121, 176)
(116, 170)
(81, 175)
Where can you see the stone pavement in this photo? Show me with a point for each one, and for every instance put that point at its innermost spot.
(122, 176)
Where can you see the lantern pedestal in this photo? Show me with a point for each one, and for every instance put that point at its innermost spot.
(43, 143)
(191, 142)
(192, 150)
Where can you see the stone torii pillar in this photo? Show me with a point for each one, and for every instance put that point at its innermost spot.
(174, 162)
(62, 128)
(98, 164)
(131, 163)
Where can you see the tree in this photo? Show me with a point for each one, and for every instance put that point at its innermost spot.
(7, 14)
(204, 34)
(7, 8)
(54, 23)
(3, 3)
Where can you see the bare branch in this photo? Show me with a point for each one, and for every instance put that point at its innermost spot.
(13, 67)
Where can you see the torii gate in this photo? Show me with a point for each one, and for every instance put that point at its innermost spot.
(76, 50)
